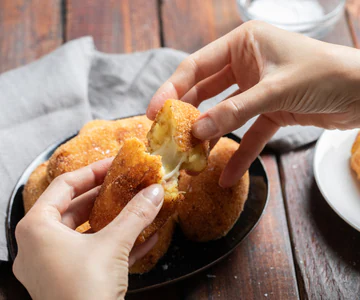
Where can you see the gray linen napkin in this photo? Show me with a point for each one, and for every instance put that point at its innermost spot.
(54, 96)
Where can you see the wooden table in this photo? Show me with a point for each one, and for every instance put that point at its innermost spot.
(301, 248)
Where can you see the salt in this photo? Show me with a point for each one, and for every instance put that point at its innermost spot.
(289, 12)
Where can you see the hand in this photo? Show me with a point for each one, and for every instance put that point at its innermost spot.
(283, 77)
(56, 262)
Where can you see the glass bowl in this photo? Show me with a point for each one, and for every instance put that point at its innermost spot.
(313, 18)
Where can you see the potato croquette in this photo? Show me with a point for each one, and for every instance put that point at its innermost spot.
(171, 146)
(355, 156)
(146, 263)
(208, 212)
(132, 170)
(35, 186)
(170, 136)
(98, 139)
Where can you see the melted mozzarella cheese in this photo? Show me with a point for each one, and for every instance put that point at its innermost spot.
(171, 159)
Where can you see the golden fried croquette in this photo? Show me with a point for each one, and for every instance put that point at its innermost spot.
(35, 186)
(97, 140)
(208, 212)
(171, 147)
(355, 156)
(146, 263)
(170, 136)
(132, 170)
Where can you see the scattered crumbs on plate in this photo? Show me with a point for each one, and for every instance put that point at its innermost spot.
(210, 276)
(165, 267)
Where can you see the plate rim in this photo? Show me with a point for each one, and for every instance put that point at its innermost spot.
(54, 145)
(317, 177)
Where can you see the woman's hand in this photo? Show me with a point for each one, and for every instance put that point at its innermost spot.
(284, 77)
(56, 262)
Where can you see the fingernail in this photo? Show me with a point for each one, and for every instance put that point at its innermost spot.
(154, 193)
(205, 128)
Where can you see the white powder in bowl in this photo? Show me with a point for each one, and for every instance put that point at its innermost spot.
(290, 12)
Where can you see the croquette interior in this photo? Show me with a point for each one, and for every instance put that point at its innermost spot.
(164, 140)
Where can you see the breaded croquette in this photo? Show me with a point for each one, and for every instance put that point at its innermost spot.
(208, 211)
(170, 136)
(98, 139)
(355, 156)
(146, 263)
(171, 146)
(132, 170)
(35, 186)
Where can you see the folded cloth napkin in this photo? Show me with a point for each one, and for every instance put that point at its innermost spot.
(51, 98)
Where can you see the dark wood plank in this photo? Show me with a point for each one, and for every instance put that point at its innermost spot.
(116, 26)
(260, 268)
(327, 250)
(326, 267)
(189, 25)
(353, 15)
(28, 30)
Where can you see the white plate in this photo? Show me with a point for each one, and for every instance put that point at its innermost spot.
(336, 181)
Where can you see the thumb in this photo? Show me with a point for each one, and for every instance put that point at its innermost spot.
(135, 217)
(234, 112)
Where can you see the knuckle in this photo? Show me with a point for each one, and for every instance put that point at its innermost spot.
(253, 25)
(139, 212)
(237, 108)
(15, 267)
(190, 63)
(22, 229)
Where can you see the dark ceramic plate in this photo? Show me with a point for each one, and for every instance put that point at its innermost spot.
(184, 258)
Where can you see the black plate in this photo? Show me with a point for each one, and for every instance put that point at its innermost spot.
(184, 258)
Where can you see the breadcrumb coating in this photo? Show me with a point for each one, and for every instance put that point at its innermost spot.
(146, 263)
(208, 211)
(35, 186)
(97, 140)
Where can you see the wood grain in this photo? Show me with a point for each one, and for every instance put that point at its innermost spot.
(260, 268)
(116, 26)
(327, 250)
(353, 14)
(28, 30)
(326, 268)
(189, 25)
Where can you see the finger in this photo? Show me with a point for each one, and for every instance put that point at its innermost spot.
(136, 215)
(235, 112)
(210, 86)
(251, 146)
(140, 251)
(67, 186)
(193, 69)
(80, 208)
